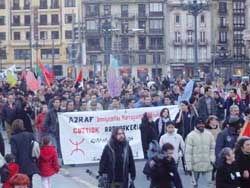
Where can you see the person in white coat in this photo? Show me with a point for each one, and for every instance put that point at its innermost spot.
(172, 137)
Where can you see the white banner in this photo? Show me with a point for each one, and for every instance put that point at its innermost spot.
(83, 135)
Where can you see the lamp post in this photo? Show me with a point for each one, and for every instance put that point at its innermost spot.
(195, 7)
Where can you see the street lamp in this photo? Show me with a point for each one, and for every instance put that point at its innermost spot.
(195, 7)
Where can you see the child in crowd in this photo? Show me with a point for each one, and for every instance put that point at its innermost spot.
(9, 170)
(47, 162)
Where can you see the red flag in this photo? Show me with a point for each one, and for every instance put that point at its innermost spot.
(246, 129)
(46, 73)
(32, 83)
(78, 79)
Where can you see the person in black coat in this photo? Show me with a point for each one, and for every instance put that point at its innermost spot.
(228, 175)
(117, 161)
(21, 148)
(148, 133)
(220, 105)
(164, 171)
(161, 122)
(242, 152)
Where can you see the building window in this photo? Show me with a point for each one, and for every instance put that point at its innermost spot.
(155, 26)
(222, 36)
(43, 35)
(43, 20)
(68, 34)
(202, 19)
(238, 37)
(68, 18)
(16, 5)
(26, 4)
(2, 36)
(21, 54)
(142, 43)
(93, 59)
(92, 25)
(156, 9)
(177, 36)
(124, 26)
(124, 10)
(190, 54)
(177, 19)
(16, 20)
(93, 44)
(202, 36)
(190, 35)
(43, 4)
(2, 4)
(239, 51)
(142, 59)
(203, 54)
(156, 58)
(107, 10)
(54, 19)
(58, 70)
(2, 20)
(223, 22)
(190, 21)
(17, 36)
(238, 6)
(54, 4)
(142, 10)
(27, 20)
(54, 34)
(47, 53)
(27, 35)
(92, 10)
(239, 21)
(223, 7)
(124, 43)
(142, 24)
(177, 53)
(125, 59)
(3, 54)
(156, 43)
(69, 3)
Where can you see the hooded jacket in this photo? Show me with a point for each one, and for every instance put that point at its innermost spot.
(48, 161)
(13, 169)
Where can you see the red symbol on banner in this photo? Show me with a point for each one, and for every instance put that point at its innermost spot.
(77, 149)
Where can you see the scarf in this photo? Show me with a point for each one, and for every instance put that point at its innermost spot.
(160, 123)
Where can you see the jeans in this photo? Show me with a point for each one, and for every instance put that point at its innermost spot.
(46, 182)
(207, 175)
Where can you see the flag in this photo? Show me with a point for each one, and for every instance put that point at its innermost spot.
(79, 78)
(188, 91)
(32, 83)
(46, 74)
(245, 131)
(11, 79)
(113, 78)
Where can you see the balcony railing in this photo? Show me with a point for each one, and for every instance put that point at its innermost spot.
(189, 42)
(203, 42)
(156, 14)
(177, 42)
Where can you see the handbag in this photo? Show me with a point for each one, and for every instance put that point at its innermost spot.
(35, 153)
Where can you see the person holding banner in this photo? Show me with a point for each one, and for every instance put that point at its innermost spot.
(117, 161)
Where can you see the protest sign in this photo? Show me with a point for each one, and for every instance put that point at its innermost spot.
(83, 135)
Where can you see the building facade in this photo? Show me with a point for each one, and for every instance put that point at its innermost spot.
(181, 40)
(37, 30)
(229, 49)
(132, 31)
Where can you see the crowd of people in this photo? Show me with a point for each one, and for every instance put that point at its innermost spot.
(206, 124)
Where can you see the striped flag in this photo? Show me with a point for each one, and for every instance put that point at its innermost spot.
(245, 131)
(79, 80)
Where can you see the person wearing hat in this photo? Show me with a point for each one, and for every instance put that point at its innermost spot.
(171, 136)
(228, 137)
(199, 154)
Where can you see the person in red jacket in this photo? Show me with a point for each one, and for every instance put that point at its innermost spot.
(40, 121)
(47, 162)
(13, 169)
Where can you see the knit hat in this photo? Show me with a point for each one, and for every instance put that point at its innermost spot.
(234, 121)
(199, 121)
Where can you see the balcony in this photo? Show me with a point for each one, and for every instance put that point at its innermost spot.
(203, 42)
(91, 32)
(177, 42)
(222, 11)
(155, 31)
(189, 42)
(223, 26)
(16, 7)
(156, 14)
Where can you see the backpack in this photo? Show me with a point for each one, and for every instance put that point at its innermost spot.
(153, 150)
(5, 173)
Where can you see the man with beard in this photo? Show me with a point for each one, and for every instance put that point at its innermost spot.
(117, 161)
(199, 154)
